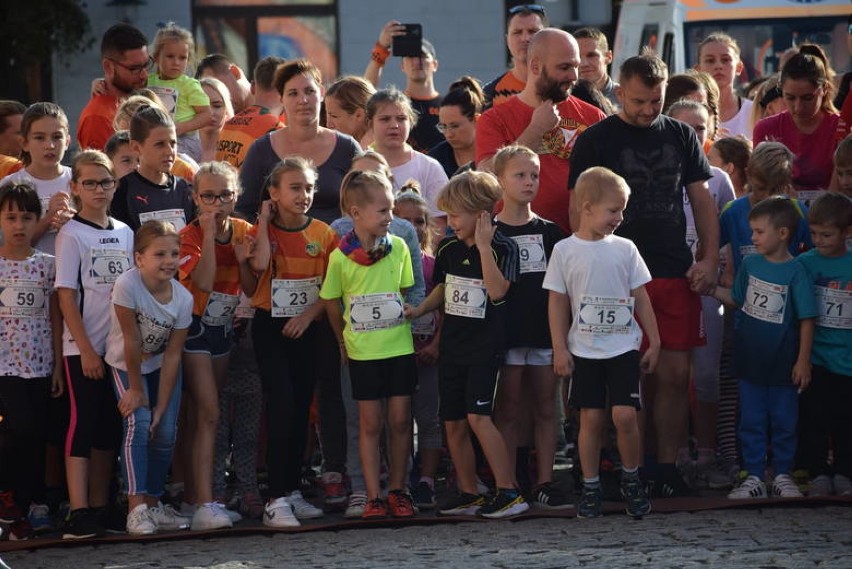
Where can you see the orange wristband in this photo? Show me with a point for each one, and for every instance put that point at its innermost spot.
(380, 54)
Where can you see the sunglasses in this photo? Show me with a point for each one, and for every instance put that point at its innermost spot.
(537, 8)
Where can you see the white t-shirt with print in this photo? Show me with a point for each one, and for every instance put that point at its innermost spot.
(26, 342)
(429, 173)
(46, 190)
(598, 276)
(155, 320)
(89, 259)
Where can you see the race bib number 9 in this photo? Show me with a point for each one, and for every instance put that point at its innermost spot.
(22, 299)
(174, 216)
(531, 252)
(604, 315)
(465, 297)
(291, 297)
(108, 264)
(377, 311)
(220, 309)
(835, 308)
(765, 301)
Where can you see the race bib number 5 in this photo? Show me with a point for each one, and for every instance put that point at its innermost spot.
(376, 311)
(291, 297)
(835, 308)
(604, 315)
(22, 299)
(465, 297)
(108, 264)
(765, 301)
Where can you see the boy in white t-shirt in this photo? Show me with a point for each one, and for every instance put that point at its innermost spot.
(596, 280)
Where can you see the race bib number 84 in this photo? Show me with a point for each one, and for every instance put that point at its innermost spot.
(465, 297)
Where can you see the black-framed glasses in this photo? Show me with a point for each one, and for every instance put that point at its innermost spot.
(210, 198)
(537, 8)
(134, 69)
(91, 185)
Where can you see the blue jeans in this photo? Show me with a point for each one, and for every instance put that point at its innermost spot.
(145, 458)
(766, 409)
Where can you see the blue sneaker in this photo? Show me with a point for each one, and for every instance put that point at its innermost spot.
(39, 517)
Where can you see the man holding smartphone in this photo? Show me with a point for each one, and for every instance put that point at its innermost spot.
(420, 86)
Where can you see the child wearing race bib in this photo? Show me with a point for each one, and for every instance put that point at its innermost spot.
(411, 206)
(44, 129)
(527, 398)
(214, 267)
(597, 290)
(824, 405)
(773, 337)
(291, 255)
(151, 192)
(92, 251)
(474, 270)
(151, 315)
(369, 271)
(30, 357)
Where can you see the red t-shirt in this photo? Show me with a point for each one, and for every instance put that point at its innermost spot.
(95, 124)
(503, 124)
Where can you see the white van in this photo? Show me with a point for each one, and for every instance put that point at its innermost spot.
(764, 29)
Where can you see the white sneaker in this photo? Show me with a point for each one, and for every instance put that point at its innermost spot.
(279, 514)
(187, 509)
(210, 516)
(140, 522)
(821, 486)
(357, 503)
(785, 487)
(842, 485)
(303, 509)
(234, 515)
(169, 519)
(751, 487)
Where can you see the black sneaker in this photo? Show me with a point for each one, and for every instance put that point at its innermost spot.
(113, 518)
(672, 486)
(424, 496)
(83, 523)
(635, 497)
(590, 505)
(462, 504)
(504, 504)
(549, 496)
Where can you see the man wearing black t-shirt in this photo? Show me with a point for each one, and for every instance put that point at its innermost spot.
(659, 157)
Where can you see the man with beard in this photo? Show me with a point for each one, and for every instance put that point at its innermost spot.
(124, 56)
(524, 22)
(660, 157)
(543, 117)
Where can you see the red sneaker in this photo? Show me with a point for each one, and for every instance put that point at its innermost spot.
(9, 511)
(375, 509)
(334, 488)
(400, 504)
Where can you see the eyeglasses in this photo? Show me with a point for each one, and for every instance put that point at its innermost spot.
(537, 8)
(91, 185)
(445, 128)
(226, 196)
(134, 69)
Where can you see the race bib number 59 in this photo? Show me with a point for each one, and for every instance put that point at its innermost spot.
(22, 299)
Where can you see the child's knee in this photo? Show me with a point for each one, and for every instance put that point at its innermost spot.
(624, 419)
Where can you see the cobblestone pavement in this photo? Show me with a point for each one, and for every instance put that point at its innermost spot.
(771, 538)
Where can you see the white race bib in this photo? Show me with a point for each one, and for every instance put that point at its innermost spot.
(22, 299)
(154, 335)
(835, 308)
(168, 96)
(746, 250)
(605, 315)
(220, 309)
(174, 216)
(291, 297)
(244, 308)
(765, 301)
(465, 297)
(376, 311)
(426, 325)
(108, 264)
(531, 252)
(808, 196)
(692, 239)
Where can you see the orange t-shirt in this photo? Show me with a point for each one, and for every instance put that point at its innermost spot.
(295, 254)
(240, 132)
(9, 165)
(95, 124)
(226, 285)
(183, 169)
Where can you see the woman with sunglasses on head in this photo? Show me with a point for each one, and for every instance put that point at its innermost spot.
(460, 109)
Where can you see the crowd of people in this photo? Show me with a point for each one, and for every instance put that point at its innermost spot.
(237, 274)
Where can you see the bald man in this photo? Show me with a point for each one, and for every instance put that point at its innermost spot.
(544, 117)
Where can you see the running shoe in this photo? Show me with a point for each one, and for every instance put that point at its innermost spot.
(783, 486)
(356, 505)
(590, 504)
(504, 504)
(333, 488)
(39, 517)
(673, 486)
(822, 485)
(279, 514)
(211, 515)
(9, 511)
(462, 504)
(424, 496)
(375, 509)
(140, 522)
(549, 496)
(635, 497)
(303, 509)
(751, 487)
(83, 523)
(167, 518)
(842, 485)
(400, 504)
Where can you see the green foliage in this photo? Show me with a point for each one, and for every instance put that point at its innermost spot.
(32, 30)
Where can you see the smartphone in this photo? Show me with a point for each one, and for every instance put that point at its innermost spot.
(409, 44)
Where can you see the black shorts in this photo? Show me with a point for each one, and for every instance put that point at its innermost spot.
(594, 379)
(466, 390)
(380, 379)
(202, 338)
(95, 421)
